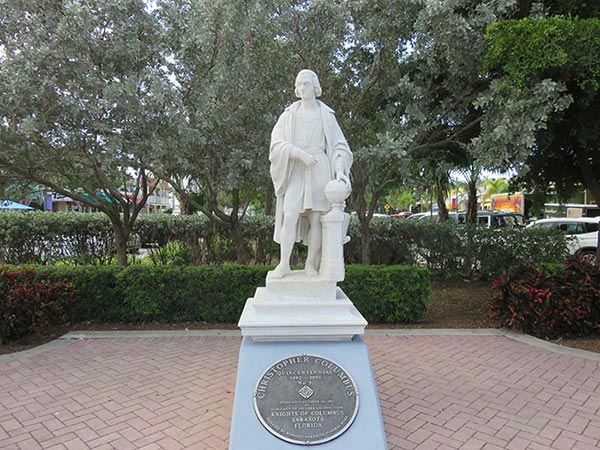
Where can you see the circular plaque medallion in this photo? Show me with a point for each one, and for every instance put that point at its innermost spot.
(306, 399)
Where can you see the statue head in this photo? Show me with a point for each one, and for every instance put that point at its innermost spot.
(309, 74)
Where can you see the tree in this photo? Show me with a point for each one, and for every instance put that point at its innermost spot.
(400, 199)
(14, 188)
(83, 100)
(563, 50)
(494, 186)
(413, 69)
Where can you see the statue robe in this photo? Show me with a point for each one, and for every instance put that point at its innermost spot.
(282, 152)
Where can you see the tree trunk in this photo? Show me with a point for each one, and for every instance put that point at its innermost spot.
(238, 239)
(524, 9)
(365, 241)
(193, 244)
(442, 210)
(598, 249)
(184, 205)
(121, 238)
(260, 256)
(365, 236)
(538, 199)
(209, 249)
(472, 202)
(440, 197)
(261, 241)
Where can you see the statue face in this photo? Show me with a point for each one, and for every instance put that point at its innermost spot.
(305, 87)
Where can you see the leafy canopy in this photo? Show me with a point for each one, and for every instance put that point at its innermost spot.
(554, 47)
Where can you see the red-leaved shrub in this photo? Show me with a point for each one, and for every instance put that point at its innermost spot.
(29, 305)
(549, 302)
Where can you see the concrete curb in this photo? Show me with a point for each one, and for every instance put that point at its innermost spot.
(75, 335)
(540, 343)
(44, 348)
(68, 338)
(436, 332)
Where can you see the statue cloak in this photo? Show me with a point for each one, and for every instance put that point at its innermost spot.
(281, 157)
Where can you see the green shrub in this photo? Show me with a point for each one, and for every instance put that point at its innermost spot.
(450, 250)
(203, 241)
(496, 250)
(258, 235)
(209, 294)
(388, 294)
(28, 303)
(218, 293)
(549, 301)
(48, 238)
(173, 253)
(173, 239)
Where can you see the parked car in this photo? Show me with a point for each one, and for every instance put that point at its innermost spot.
(423, 215)
(499, 219)
(486, 219)
(401, 215)
(583, 233)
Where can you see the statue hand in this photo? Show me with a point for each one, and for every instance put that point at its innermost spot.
(341, 176)
(308, 159)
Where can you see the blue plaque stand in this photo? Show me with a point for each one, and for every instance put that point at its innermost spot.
(247, 433)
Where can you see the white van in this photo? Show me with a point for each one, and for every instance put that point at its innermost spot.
(583, 232)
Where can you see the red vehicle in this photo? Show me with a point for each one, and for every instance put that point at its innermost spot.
(401, 215)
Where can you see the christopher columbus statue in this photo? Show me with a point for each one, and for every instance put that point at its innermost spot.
(308, 150)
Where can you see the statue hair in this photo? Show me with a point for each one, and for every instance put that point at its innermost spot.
(315, 81)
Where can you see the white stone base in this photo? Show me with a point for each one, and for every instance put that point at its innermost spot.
(266, 318)
(297, 286)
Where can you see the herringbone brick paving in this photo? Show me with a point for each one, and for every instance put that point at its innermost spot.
(436, 392)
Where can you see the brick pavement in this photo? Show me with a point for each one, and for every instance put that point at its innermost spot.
(436, 392)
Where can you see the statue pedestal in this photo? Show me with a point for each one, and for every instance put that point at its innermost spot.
(299, 307)
(247, 432)
(293, 317)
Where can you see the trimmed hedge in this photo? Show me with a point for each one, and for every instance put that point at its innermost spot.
(173, 294)
(218, 293)
(388, 294)
(549, 301)
(448, 250)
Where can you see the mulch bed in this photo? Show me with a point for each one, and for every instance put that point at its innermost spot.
(453, 304)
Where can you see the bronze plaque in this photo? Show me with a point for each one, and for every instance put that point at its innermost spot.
(306, 399)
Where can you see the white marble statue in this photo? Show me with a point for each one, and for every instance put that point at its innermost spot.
(308, 150)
